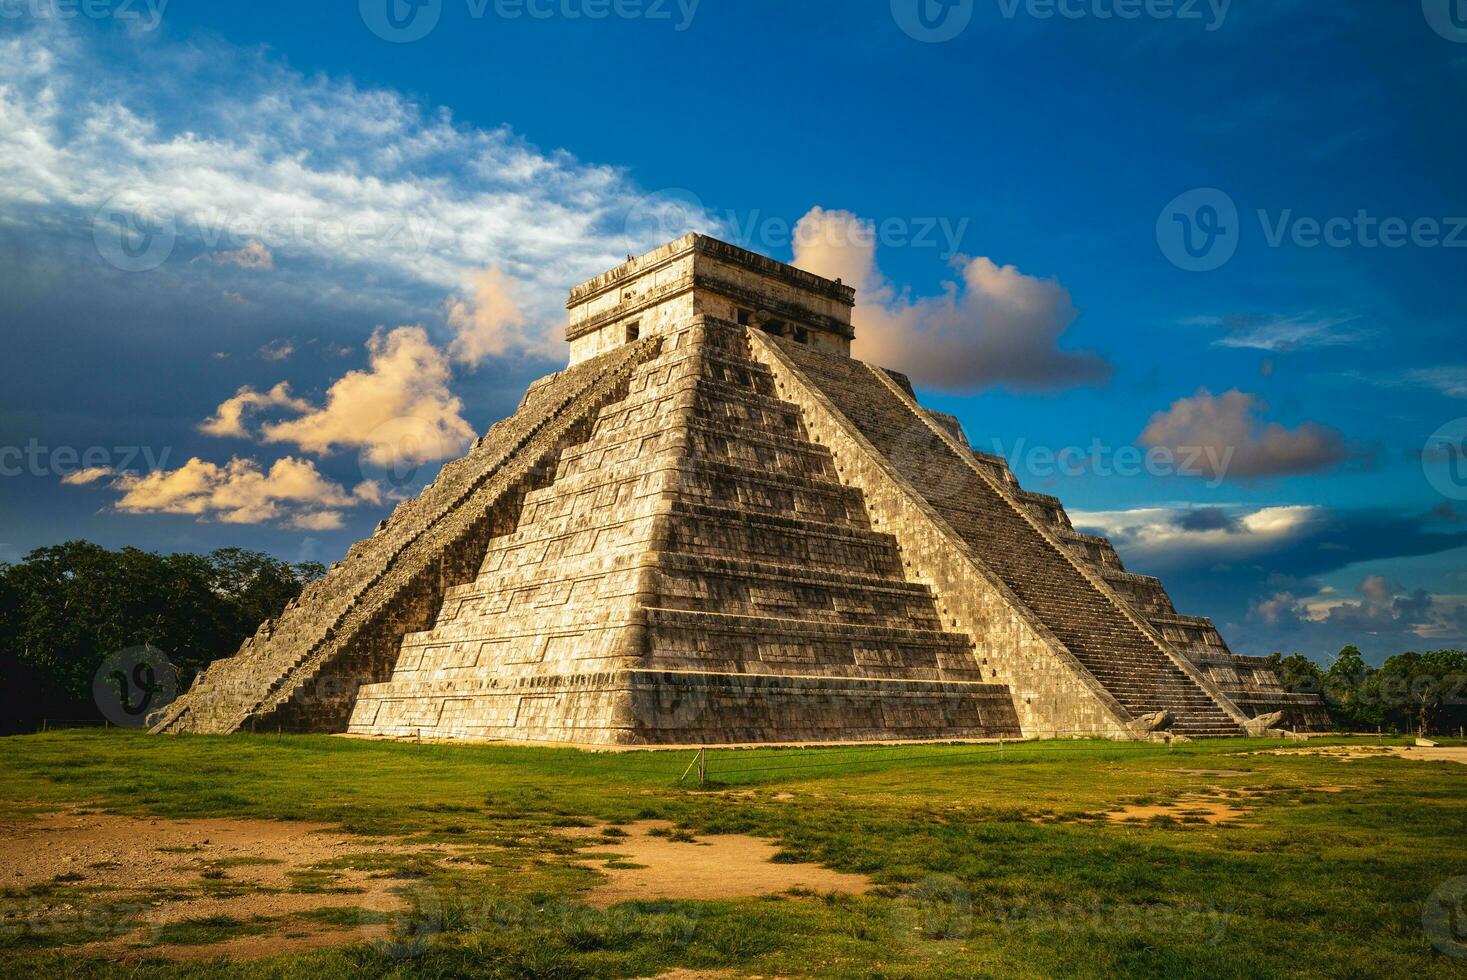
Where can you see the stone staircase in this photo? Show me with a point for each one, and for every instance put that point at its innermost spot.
(979, 504)
(302, 671)
(1249, 682)
(787, 590)
(694, 572)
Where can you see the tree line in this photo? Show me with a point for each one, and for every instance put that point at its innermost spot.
(66, 608)
(1424, 693)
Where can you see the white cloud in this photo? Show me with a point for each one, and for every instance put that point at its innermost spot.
(1279, 609)
(241, 492)
(278, 165)
(490, 323)
(1275, 332)
(1380, 609)
(1224, 438)
(320, 520)
(995, 326)
(398, 410)
(83, 477)
(1153, 537)
(228, 419)
(276, 350)
(1450, 381)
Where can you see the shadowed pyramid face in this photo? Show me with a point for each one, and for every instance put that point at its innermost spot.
(716, 527)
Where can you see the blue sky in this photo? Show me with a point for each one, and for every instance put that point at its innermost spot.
(241, 244)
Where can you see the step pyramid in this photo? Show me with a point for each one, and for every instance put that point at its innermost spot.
(717, 527)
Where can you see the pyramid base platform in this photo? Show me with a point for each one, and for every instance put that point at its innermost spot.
(648, 707)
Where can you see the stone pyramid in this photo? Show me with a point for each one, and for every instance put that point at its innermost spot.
(717, 527)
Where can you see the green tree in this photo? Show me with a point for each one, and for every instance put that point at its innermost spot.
(258, 586)
(1297, 673)
(65, 608)
(1349, 692)
(1424, 692)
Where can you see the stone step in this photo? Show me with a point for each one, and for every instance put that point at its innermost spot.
(696, 529)
(751, 490)
(680, 639)
(751, 588)
(378, 575)
(697, 438)
(746, 554)
(1091, 624)
(831, 578)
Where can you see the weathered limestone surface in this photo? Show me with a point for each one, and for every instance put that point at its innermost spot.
(717, 527)
(1121, 627)
(701, 276)
(301, 672)
(693, 573)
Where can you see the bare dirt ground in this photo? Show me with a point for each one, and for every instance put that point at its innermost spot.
(1191, 808)
(169, 872)
(1213, 806)
(649, 864)
(274, 879)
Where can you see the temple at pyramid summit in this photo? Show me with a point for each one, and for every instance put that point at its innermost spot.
(715, 526)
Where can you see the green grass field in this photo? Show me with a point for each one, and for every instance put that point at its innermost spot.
(986, 862)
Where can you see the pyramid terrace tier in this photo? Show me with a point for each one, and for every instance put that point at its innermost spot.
(653, 707)
(1089, 625)
(697, 530)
